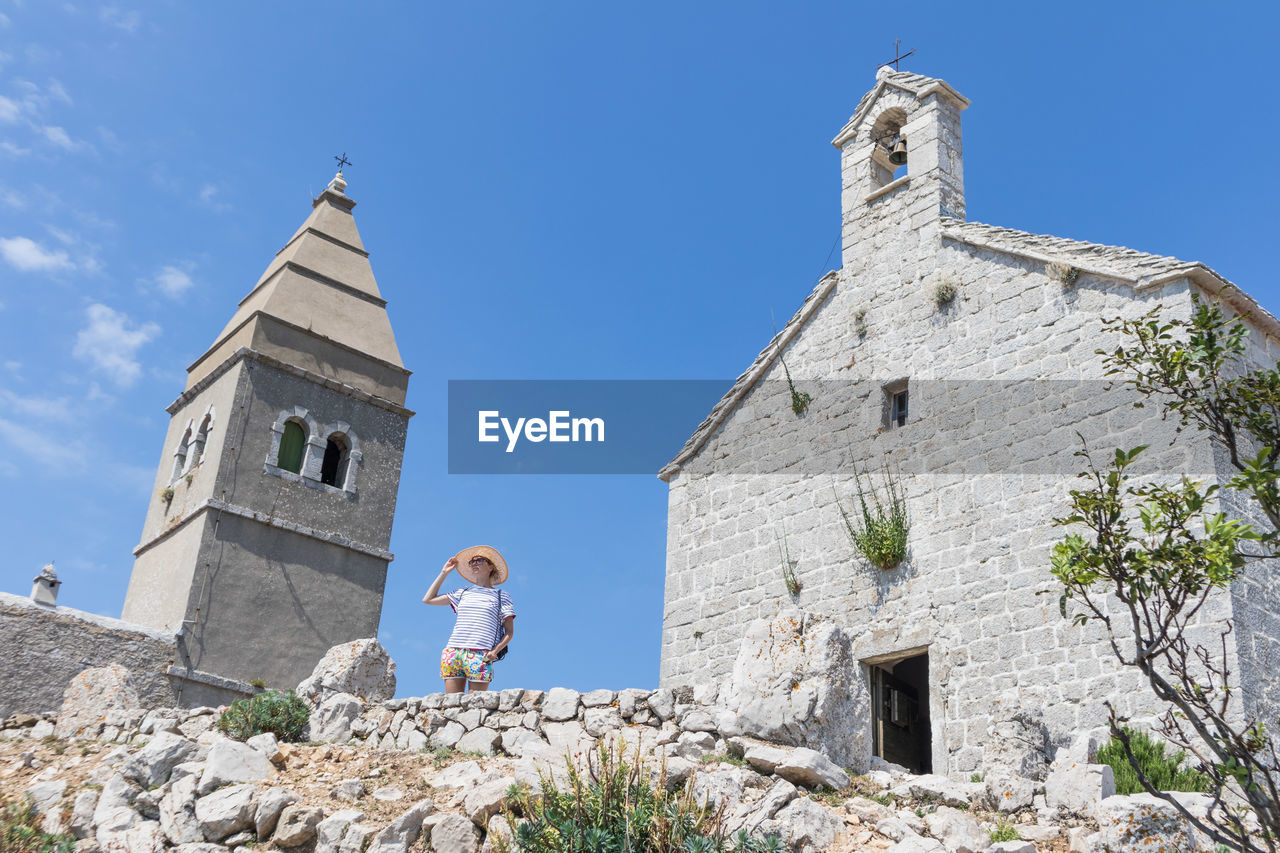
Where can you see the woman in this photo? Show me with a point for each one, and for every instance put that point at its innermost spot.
(481, 609)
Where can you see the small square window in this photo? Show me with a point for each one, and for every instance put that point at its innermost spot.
(896, 403)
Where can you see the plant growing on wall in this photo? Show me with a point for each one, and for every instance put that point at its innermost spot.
(1162, 551)
(166, 494)
(799, 399)
(284, 714)
(880, 526)
(788, 567)
(1064, 274)
(860, 322)
(945, 293)
(1166, 772)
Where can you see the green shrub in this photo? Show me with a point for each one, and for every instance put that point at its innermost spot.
(614, 807)
(1166, 773)
(1004, 831)
(283, 714)
(20, 831)
(881, 537)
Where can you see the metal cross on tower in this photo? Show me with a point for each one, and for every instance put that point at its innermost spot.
(898, 56)
(342, 161)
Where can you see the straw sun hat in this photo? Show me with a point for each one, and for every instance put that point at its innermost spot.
(499, 565)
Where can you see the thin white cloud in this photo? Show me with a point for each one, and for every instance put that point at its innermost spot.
(209, 198)
(10, 110)
(114, 16)
(173, 282)
(59, 137)
(40, 408)
(12, 149)
(52, 454)
(110, 342)
(14, 367)
(4, 20)
(26, 255)
(57, 91)
(9, 198)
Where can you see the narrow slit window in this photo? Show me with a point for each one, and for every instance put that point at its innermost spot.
(202, 436)
(292, 445)
(337, 455)
(898, 408)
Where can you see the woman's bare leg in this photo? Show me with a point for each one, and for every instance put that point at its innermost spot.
(478, 686)
(454, 685)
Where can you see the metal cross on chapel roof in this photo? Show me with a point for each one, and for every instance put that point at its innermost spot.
(342, 161)
(898, 56)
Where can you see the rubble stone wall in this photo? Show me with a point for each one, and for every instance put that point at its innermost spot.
(45, 647)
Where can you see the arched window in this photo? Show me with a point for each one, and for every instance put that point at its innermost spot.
(337, 455)
(180, 455)
(202, 436)
(292, 445)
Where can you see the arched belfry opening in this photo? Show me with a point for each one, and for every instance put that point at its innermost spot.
(889, 155)
(293, 444)
(337, 456)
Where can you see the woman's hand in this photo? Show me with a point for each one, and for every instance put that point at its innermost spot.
(433, 596)
(490, 656)
(449, 566)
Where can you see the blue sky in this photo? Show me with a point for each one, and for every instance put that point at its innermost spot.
(551, 191)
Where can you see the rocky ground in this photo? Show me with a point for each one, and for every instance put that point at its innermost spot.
(156, 792)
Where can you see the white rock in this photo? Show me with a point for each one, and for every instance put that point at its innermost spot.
(631, 699)
(561, 736)
(226, 811)
(462, 774)
(114, 809)
(519, 742)
(402, 832)
(46, 796)
(697, 720)
(331, 721)
(348, 789)
(804, 823)
(455, 834)
(271, 803)
(329, 831)
(498, 828)
(957, 831)
(178, 812)
(694, 744)
(600, 721)
(778, 795)
(931, 786)
(724, 787)
(447, 736)
(232, 762)
(361, 668)
(597, 698)
(199, 847)
(151, 765)
(1075, 784)
(356, 838)
(811, 769)
(662, 702)
(90, 695)
(160, 720)
(561, 704)
(486, 800)
(387, 794)
(1017, 740)
(483, 740)
(764, 757)
(82, 814)
(269, 745)
(297, 825)
(1005, 792)
(143, 837)
(1141, 823)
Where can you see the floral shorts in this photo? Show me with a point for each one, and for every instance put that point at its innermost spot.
(465, 663)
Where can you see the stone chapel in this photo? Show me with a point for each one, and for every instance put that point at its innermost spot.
(957, 361)
(265, 543)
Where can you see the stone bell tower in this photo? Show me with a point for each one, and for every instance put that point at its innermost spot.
(266, 539)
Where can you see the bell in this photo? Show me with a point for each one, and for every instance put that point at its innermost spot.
(898, 155)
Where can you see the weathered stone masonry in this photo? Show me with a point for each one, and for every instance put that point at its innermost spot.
(981, 510)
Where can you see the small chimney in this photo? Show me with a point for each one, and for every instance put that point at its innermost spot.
(45, 588)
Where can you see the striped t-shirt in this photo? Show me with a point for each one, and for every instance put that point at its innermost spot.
(480, 611)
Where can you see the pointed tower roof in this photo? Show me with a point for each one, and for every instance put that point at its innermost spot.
(317, 306)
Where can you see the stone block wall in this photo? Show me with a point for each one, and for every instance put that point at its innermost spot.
(985, 467)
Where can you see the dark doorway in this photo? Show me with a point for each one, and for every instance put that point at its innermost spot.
(900, 712)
